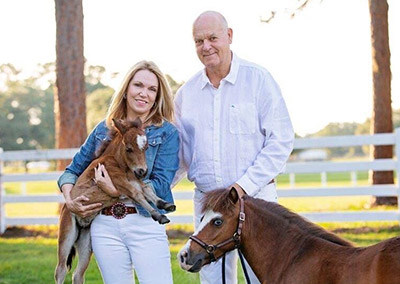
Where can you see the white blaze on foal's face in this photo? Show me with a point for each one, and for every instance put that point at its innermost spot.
(141, 140)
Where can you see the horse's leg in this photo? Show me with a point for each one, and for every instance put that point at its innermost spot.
(68, 232)
(138, 195)
(134, 191)
(84, 247)
(160, 203)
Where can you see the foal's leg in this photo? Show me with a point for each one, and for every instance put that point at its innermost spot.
(138, 196)
(84, 248)
(68, 232)
(160, 203)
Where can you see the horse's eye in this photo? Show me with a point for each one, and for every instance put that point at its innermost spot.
(129, 150)
(218, 222)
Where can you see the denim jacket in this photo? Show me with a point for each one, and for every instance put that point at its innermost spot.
(161, 157)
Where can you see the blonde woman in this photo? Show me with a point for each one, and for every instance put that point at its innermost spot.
(134, 242)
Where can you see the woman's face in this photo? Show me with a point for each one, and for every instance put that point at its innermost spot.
(141, 94)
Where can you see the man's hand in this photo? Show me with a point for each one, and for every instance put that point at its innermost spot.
(76, 205)
(104, 181)
(239, 190)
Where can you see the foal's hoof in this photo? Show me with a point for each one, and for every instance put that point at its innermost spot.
(169, 207)
(163, 220)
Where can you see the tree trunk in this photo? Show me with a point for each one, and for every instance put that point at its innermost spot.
(382, 108)
(69, 96)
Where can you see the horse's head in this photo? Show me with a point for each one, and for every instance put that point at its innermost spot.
(218, 232)
(133, 146)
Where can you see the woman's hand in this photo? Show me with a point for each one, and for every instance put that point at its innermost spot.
(104, 181)
(76, 205)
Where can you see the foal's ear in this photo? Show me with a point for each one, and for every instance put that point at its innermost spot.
(137, 123)
(233, 195)
(119, 124)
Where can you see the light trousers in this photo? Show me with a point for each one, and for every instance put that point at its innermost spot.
(212, 273)
(132, 243)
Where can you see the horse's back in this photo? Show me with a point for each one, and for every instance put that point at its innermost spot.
(376, 264)
(85, 185)
(388, 261)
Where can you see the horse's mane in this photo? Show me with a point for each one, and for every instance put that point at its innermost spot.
(111, 134)
(218, 200)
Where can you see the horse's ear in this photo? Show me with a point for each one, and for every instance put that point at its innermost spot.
(119, 124)
(137, 123)
(233, 195)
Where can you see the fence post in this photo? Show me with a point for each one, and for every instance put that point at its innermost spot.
(2, 209)
(397, 141)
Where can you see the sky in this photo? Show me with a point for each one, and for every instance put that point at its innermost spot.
(321, 58)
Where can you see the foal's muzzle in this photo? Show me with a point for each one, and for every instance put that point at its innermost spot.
(140, 173)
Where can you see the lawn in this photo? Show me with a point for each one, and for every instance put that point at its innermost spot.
(32, 258)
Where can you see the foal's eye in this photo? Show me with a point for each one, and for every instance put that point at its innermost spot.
(129, 150)
(218, 222)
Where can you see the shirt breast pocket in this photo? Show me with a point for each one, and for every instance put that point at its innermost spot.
(242, 118)
(151, 152)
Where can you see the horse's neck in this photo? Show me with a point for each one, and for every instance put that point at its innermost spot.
(261, 244)
(271, 245)
(114, 150)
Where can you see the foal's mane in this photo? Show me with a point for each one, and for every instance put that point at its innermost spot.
(112, 134)
(218, 200)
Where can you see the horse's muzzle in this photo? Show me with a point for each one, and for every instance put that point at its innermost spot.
(140, 173)
(189, 263)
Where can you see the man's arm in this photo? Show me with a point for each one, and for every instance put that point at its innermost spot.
(278, 144)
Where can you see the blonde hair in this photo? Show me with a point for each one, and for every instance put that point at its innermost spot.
(163, 108)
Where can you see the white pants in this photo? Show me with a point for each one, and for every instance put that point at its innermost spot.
(212, 273)
(132, 242)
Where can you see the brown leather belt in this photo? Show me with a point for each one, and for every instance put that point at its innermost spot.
(118, 210)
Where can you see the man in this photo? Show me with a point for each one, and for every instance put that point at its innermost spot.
(234, 126)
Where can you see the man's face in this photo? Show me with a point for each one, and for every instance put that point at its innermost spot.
(212, 42)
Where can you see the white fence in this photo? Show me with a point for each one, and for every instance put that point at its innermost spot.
(292, 169)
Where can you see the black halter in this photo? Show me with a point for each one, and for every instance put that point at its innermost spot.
(236, 238)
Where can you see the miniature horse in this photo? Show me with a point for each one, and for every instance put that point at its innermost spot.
(284, 248)
(125, 161)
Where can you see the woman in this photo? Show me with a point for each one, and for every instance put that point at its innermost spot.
(135, 241)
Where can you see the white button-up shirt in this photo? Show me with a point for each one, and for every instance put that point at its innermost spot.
(239, 132)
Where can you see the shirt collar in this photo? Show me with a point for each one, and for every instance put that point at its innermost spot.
(231, 77)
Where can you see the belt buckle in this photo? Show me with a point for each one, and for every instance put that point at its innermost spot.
(119, 210)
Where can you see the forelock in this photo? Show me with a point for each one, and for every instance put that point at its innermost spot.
(141, 141)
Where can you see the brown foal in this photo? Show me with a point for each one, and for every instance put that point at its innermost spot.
(125, 161)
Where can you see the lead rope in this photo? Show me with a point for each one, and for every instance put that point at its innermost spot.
(246, 275)
(244, 266)
(223, 270)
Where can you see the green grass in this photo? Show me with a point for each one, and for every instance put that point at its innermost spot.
(33, 259)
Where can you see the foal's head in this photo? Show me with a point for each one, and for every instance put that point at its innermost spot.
(215, 234)
(133, 145)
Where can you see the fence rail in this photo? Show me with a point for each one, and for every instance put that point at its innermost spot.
(292, 169)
